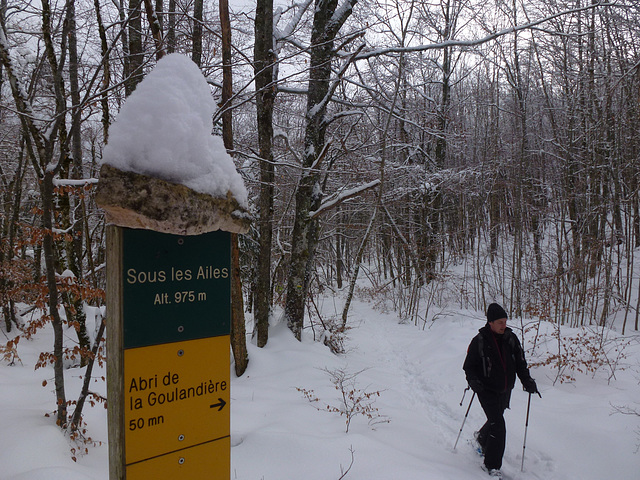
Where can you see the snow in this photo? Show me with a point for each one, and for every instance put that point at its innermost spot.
(342, 196)
(278, 434)
(164, 130)
(61, 182)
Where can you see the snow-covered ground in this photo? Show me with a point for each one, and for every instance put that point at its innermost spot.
(278, 434)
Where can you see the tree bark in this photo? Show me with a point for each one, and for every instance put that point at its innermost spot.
(156, 28)
(227, 75)
(75, 247)
(265, 96)
(56, 321)
(106, 73)
(196, 52)
(46, 154)
(84, 392)
(13, 201)
(135, 56)
(238, 329)
(327, 21)
(171, 27)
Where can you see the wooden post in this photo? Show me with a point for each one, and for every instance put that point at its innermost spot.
(115, 353)
(168, 326)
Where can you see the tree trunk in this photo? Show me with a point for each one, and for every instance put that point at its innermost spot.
(171, 27)
(106, 73)
(75, 247)
(13, 202)
(339, 254)
(160, 14)
(56, 321)
(227, 75)
(326, 24)
(265, 96)
(3, 13)
(135, 57)
(156, 28)
(84, 392)
(238, 331)
(356, 270)
(196, 52)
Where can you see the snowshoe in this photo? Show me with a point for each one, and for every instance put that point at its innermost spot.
(493, 472)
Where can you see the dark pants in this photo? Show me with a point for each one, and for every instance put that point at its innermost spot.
(492, 435)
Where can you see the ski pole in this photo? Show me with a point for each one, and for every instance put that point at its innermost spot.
(526, 425)
(465, 418)
(464, 394)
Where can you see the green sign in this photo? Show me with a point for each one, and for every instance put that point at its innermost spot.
(175, 288)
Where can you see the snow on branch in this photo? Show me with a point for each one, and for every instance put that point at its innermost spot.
(339, 198)
(340, 16)
(20, 96)
(23, 105)
(343, 114)
(67, 182)
(287, 31)
(473, 43)
(334, 85)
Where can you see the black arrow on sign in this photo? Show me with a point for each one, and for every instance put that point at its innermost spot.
(220, 404)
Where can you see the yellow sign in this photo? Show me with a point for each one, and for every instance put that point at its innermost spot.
(176, 401)
(207, 461)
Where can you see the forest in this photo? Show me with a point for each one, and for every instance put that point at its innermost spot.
(447, 151)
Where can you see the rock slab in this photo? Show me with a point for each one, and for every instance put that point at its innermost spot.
(138, 201)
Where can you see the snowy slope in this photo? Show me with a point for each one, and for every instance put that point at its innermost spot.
(278, 434)
(572, 434)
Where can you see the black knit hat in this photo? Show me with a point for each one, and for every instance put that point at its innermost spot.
(495, 312)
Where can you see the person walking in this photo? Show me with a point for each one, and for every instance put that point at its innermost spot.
(494, 358)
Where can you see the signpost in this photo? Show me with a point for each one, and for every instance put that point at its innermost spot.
(169, 361)
(169, 283)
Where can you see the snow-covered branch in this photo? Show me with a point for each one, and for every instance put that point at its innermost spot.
(67, 182)
(19, 95)
(341, 197)
(287, 31)
(340, 16)
(479, 41)
(336, 82)
(339, 115)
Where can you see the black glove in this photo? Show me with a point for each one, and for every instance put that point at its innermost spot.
(477, 386)
(530, 386)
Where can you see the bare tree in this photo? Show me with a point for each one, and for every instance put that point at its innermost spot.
(327, 22)
(40, 149)
(264, 59)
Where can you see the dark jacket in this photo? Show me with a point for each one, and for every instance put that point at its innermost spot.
(492, 362)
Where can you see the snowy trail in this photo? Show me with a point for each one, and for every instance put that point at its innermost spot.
(572, 434)
(424, 368)
(403, 351)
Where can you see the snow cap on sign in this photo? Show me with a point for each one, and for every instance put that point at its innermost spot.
(164, 130)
